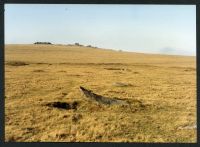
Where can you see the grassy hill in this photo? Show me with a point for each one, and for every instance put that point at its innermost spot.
(81, 54)
(160, 90)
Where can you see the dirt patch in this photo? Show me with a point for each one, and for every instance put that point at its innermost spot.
(64, 93)
(76, 117)
(62, 71)
(41, 63)
(61, 135)
(16, 63)
(39, 70)
(63, 105)
(120, 84)
(75, 75)
(190, 69)
(114, 68)
(135, 72)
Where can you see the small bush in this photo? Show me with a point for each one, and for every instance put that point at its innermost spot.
(42, 43)
(76, 44)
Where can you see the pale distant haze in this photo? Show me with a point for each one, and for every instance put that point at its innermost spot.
(160, 29)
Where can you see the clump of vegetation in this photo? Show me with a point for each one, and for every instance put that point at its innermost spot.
(42, 43)
(135, 72)
(17, 63)
(77, 44)
(91, 46)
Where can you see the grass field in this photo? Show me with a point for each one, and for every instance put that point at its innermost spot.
(161, 90)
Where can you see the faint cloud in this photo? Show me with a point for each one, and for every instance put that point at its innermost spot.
(168, 50)
(174, 51)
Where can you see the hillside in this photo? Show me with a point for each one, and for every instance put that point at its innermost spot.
(76, 54)
(44, 100)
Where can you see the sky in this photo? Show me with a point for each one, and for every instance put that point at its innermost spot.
(160, 29)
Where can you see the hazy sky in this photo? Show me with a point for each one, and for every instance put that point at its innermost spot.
(166, 29)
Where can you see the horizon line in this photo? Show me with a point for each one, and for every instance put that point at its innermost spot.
(96, 47)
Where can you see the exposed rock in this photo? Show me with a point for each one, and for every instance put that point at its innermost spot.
(101, 99)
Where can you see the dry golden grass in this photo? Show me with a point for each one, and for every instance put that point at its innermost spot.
(39, 74)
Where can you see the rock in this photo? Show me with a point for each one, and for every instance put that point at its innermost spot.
(101, 99)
